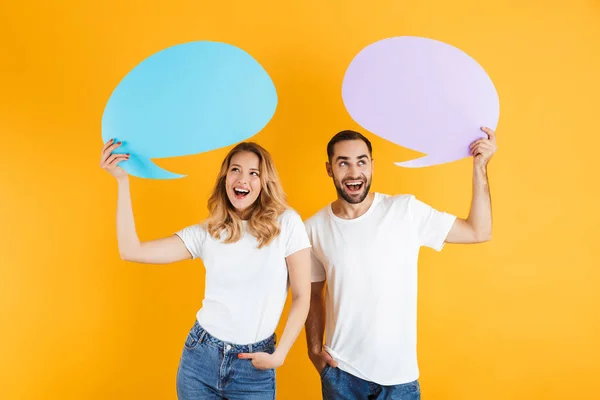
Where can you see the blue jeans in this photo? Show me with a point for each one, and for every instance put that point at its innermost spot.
(340, 385)
(210, 369)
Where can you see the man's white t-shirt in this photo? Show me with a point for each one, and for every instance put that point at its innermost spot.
(370, 264)
(246, 287)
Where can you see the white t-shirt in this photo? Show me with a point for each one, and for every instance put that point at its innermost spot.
(246, 287)
(370, 264)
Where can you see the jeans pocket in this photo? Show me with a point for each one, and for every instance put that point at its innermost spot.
(414, 387)
(271, 371)
(324, 371)
(192, 340)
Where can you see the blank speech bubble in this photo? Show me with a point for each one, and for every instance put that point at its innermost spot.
(187, 99)
(421, 94)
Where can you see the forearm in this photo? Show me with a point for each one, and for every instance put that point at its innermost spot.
(293, 326)
(315, 324)
(127, 237)
(480, 216)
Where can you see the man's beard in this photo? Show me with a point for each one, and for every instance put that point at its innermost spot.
(354, 198)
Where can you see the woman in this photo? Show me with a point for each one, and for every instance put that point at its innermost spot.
(251, 244)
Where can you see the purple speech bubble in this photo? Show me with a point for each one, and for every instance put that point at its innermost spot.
(422, 94)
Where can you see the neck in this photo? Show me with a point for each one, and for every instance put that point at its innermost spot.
(244, 214)
(342, 209)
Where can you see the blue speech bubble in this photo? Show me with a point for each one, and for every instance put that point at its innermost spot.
(187, 99)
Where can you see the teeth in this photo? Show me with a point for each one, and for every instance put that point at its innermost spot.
(241, 190)
(354, 184)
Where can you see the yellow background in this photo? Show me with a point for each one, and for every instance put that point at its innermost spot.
(516, 318)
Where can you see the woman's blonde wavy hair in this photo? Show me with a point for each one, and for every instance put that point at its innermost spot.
(263, 213)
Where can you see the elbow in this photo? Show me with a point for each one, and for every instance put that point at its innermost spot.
(483, 237)
(131, 253)
(302, 304)
(302, 299)
(127, 256)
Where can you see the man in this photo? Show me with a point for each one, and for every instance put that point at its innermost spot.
(366, 246)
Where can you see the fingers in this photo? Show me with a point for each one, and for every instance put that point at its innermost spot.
(483, 148)
(254, 359)
(329, 360)
(478, 149)
(109, 146)
(108, 149)
(111, 141)
(485, 143)
(261, 367)
(114, 159)
(491, 134)
(479, 141)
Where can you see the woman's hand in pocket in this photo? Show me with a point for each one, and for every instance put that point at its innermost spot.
(263, 360)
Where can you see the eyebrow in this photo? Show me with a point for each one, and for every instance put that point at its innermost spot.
(344, 158)
(238, 165)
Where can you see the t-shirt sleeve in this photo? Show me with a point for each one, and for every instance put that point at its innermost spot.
(194, 238)
(296, 236)
(432, 225)
(317, 269)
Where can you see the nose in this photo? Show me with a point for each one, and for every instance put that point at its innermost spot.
(243, 179)
(352, 171)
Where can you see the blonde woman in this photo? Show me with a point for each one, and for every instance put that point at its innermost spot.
(252, 245)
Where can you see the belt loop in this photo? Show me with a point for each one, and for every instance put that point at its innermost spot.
(250, 348)
(202, 335)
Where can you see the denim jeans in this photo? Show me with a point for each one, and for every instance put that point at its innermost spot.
(210, 369)
(339, 385)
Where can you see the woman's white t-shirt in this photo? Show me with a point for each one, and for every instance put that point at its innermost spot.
(246, 287)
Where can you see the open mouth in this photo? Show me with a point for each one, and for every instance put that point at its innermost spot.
(240, 193)
(354, 186)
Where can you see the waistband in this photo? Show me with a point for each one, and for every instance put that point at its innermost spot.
(205, 337)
